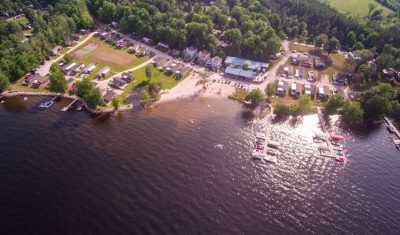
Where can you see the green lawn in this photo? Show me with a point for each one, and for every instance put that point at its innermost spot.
(357, 7)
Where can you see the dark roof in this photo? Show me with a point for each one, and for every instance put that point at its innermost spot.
(109, 95)
(117, 82)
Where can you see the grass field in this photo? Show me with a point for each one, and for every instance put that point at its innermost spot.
(356, 7)
(106, 55)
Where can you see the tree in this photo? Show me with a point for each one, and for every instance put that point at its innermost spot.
(149, 71)
(271, 89)
(351, 39)
(254, 99)
(332, 45)
(93, 98)
(320, 40)
(376, 107)
(83, 88)
(282, 110)
(4, 82)
(57, 82)
(145, 96)
(352, 113)
(304, 104)
(334, 103)
(107, 11)
(115, 103)
(68, 58)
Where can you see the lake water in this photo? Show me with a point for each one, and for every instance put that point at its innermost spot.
(185, 168)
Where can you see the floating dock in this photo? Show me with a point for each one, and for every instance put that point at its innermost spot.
(329, 150)
(393, 130)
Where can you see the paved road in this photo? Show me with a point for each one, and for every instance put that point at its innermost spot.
(44, 69)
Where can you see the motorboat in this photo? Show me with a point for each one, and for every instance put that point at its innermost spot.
(336, 137)
(340, 157)
(257, 155)
(272, 152)
(273, 144)
(269, 158)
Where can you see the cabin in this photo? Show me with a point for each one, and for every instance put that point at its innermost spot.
(323, 93)
(56, 50)
(109, 95)
(190, 53)
(158, 61)
(309, 89)
(147, 40)
(66, 68)
(76, 69)
(176, 53)
(127, 77)
(103, 72)
(296, 89)
(162, 47)
(117, 82)
(215, 63)
(203, 57)
(69, 42)
(282, 88)
(89, 69)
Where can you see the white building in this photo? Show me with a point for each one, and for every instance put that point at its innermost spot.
(190, 53)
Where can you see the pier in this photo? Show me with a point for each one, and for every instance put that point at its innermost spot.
(394, 130)
(329, 150)
(66, 108)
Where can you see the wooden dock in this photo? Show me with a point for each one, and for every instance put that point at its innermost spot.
(66, 108)
(394, 130)
(330, 148)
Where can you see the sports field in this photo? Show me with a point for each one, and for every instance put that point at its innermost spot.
(357, 7)
(96, 51)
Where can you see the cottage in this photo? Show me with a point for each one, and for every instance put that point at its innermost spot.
(282, 88)
(76, 69)
(176, 53)
(117, 82)
(246, 64)
(127, 77)
(190, 53)
(146, 40)
(323, 93)
(309, 89)
(109, 95)
(103, 72)
(56, 50)
(296, 89)
(69, 42)
(90, 68)
(104, 35)
(162, 46)
(158, 61)
(203, 57)
(215, 63)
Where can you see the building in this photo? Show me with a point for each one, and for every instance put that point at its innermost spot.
(90, 68)
(109, 95)
(66, 68)
(282, 88)
(69, 42)
(296, 89)
(389, 74)
(295, 59)
(56, 50)
(215, 63)
(323, 93)
(162, 46)
(176, 53)
(203, 57)
(103, 72)
(354, 56)
(312, 76)
(240, 73)
(146, 40)
(340, 77)
(117, 82)
(248, 64)
(158, 61)
(190, 53)
(309, 89)
(127, 77)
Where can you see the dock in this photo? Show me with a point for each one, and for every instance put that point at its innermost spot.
(394, 130)
(329, 150)
(66, 108)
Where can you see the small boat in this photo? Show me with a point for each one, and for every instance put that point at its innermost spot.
(273, 144)
(269, 158)
(25, 98)
(336, 137)
(272, 152)
(257, 155)
(340, 157)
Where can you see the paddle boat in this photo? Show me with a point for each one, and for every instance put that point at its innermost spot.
(340, 157)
